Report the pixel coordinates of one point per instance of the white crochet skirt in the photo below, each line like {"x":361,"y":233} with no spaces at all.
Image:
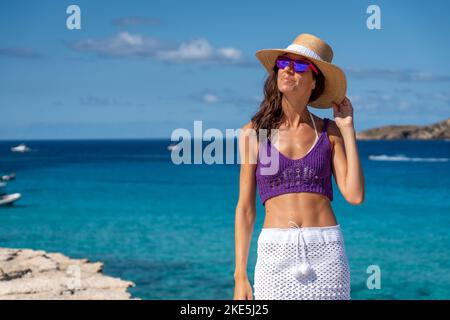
{"x":308,"y":263}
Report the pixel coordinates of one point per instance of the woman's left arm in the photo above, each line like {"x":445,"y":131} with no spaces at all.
{"x":346,"y":164}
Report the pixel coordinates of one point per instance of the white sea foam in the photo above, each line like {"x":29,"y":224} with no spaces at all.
{"x":402,"y":157}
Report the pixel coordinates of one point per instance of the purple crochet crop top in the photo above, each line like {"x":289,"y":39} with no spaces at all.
{"x":311,"y":173}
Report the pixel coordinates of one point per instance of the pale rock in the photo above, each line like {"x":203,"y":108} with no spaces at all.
{"x":36,"y":274}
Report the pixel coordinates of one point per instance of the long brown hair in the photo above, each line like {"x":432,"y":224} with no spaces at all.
{"x":270,"y":113}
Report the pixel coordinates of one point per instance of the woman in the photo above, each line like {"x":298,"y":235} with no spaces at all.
{"x":301,"y":253}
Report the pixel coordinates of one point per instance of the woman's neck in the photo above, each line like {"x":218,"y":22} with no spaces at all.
{"x":295,"y":112}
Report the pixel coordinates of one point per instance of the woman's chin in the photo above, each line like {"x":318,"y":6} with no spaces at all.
{"x":287,"y":88}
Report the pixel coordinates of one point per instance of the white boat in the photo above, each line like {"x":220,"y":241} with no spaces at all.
{"x":8,"y":177}
{"x":9,"y":199}
{"x":20,"y":148}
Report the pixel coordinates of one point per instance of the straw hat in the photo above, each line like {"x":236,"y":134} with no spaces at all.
{"x":321,"y":54}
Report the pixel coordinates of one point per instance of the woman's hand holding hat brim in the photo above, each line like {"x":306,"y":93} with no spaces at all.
{"x":343,"y":113}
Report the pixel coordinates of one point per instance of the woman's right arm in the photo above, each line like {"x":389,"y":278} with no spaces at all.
{"x":245,"y":212}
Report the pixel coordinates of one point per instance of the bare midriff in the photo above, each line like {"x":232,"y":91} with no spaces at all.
{"x":306,"y":209}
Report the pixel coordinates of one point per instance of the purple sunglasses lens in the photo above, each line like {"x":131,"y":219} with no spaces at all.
{"x":282,"y":63}
{"x":299,"y":66}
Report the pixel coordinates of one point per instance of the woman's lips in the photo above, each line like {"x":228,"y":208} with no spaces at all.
{"x":289,"y":81}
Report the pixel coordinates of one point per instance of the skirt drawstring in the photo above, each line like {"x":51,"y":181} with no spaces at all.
{"x":304,"y":268}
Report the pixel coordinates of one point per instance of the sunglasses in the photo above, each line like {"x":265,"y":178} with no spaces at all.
{"x":299,"y":65}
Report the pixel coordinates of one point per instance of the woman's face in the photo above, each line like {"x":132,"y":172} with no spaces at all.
{"x":295,"y":83}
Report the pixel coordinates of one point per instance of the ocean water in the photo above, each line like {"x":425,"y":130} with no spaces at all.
{"x":170,"y":228}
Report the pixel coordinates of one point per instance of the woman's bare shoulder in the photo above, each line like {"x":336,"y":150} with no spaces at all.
{"x":248,"y":134}
{"x":334,"y":134}
{"x":248,"y":129}
{"x":248,"y":125}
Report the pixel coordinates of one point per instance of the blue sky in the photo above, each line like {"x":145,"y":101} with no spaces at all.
{"x":140,"y":69}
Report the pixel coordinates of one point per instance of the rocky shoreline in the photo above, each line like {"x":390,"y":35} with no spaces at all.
{"x":436,"y":131}
{"x":36,"y":274}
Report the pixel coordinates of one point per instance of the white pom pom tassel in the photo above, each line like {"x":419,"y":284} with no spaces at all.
{"x":302,"y":270}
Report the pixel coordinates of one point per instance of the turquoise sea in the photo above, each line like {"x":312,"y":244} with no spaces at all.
{"x":170,"y":228}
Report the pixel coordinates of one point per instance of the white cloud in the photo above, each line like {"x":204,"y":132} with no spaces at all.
{"x":229,"y":53}
{"x":130,"y":39}
{"x":122,"y":44}
{"x":125,"y":44}
{"x":197,"y":49}
{"x":400,"y":104}
{"x":398,"y":75}
{"x":210,"y":98}
{"x":227,"y":97}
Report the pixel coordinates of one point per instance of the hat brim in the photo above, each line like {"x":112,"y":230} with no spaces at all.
{"x":335,"y":87}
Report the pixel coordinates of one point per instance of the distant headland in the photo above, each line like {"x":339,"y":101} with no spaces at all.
{"x":435,"y":131}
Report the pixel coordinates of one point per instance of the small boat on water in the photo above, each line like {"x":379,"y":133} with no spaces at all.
{"x":8,"y":177}
{"x":9,"y":199}
{"x":21,"y":148}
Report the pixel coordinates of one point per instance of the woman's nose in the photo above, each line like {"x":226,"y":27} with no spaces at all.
{"x":290,"y":67}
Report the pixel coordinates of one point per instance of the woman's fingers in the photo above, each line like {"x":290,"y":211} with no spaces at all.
{"x":336,"y":107}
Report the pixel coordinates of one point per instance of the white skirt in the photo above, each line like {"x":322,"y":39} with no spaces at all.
{"x":308,"y":263}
